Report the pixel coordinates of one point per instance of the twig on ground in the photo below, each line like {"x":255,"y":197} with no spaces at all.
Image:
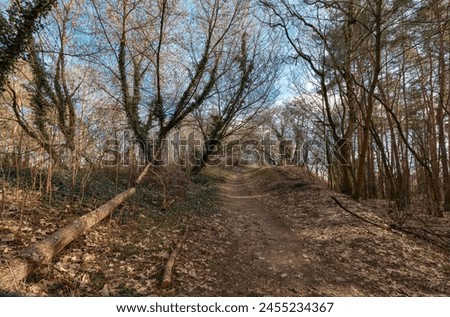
{"x":383,"y":226}
{"x":397,"y":229}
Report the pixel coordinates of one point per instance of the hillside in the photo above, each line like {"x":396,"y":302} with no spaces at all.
{"x":280,"y":234}
{"x":272,"y":231}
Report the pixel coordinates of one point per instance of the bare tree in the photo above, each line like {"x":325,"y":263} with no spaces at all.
{"x":47,"y":112}
{"x":165,"y":59}
{"x":247,"y":87}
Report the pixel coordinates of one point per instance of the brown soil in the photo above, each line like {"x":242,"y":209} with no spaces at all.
{"x":280,"y":234}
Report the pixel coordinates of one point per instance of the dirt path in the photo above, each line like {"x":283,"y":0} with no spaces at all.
{"x":258,"y":253}
{"x":264,"y":250}
{"x":287,"y":238}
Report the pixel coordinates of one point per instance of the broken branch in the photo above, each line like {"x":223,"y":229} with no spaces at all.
{"x":168,"y":271}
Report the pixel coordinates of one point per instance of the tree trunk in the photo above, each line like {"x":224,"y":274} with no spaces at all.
{"x":19,"y":37}
{"x":18,"y":268}
{"x":440,"y":117}
{"x":367,"y":119}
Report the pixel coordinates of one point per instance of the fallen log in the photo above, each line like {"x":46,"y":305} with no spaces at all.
{"x":168,"y":270}
{"x":15,"y":270}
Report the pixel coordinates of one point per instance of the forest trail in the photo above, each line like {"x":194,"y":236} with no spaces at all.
{"x":270,"y":231}
{"x":280,"y":234}
{"x":264,"y":254}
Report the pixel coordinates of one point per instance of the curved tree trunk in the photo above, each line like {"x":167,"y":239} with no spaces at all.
{"x":21,"y":34}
